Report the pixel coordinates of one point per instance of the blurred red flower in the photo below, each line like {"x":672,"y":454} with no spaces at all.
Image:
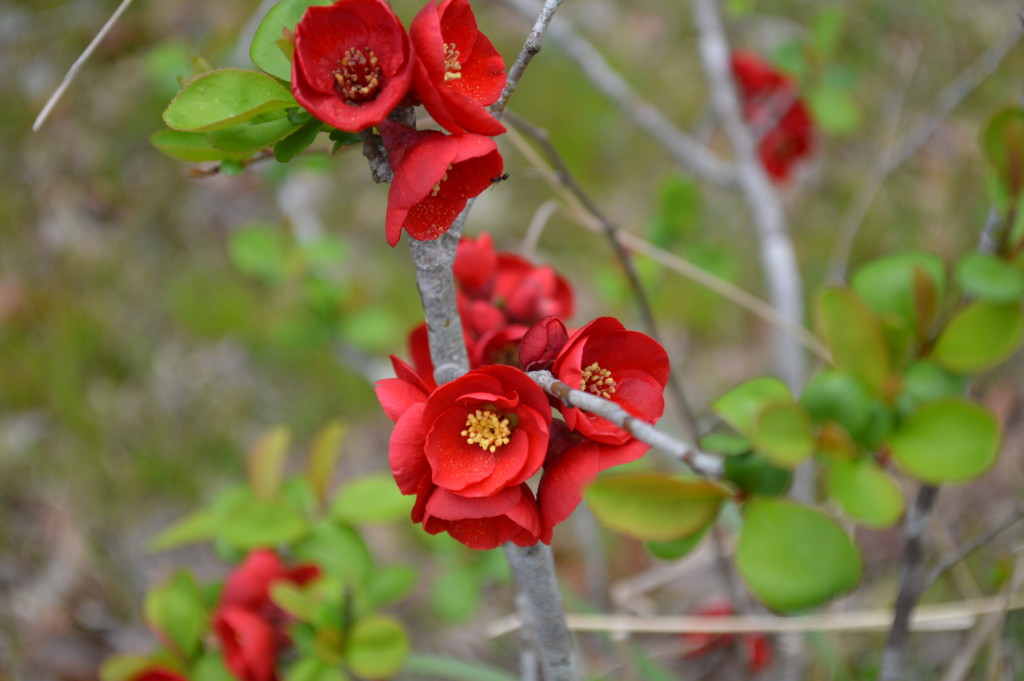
{"x":157,"y":674}
{"x":458,"y":71}
{"x":435,"y":175}
{"x":776,"y":112}
{"x":248,"y":586}
{"x":353,"y":63}
{"x":250,"y":644}
{"x":757,"y":647}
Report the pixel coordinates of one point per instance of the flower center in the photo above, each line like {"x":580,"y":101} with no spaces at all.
{"x":485,"y":429}
{"x":437,"y":187}
{"x":358,"y":77}
{"x":598,"y":381}
{"x":452,"y":66}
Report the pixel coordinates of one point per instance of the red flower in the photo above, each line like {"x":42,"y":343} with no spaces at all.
{"x":466,"y":449}
{"x":250,"y":644}
{"x":435,"y":175}
{"x":758,"y":648}
{"x":353,"y":63}
{"x":458,"y":71}
{"x":157,"y":674}
{"x":528,"y":292}
{"x":772,"y":104}
{"x":248,"y":586}
{"x":476,"y":263}
{"x":542,"y":343}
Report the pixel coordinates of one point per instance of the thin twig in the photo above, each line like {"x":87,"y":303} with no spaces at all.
{"x":529,"y":51}
{"x":700,"y":462}
{"x":77,"y":65}
{"x":1011,"y":518}
{"x":611,"y":232}
{"x":689,"y":153}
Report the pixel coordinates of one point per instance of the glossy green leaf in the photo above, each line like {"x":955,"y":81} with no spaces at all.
{"x":176,"y":609}
{"x":253,"y":524}
{"x":677,"y":548}
{"x":753,"y":474}
{"x":188,"y":146}
{"x":892,"y":287}
{"x":372,"y":499}
{"x":226,"y":97}
{"x":1003,"y":143}
{"x":854,"y":336}
{"x":949,"y":441}
{"x":266,"y":463}
{"x":837,"y":396}
{"x":987,"y":277}
{"x":264,"y":50}
{"x":741,"y":405}
{"x":339,"y":551}
{"x":251,"y":135}
{"x":793,"y":557}
{"x":377,"y":648}
{"x":313,"y":669}
{"x":654,"y":507}
{"x":323,"y":454}
{"x":297,"y":142}
{"x":783,"y":434}
{"x":926,"y":381}
{"x":979,"y":336}
{"x":867,"y":493}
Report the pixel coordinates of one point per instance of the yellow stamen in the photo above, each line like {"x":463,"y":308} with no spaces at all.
{"x":598,"y":381}
{"x":485,"y":429}
{"x":452,"y":66}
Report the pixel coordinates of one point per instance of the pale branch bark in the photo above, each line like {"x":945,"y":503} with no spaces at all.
{"x":778,"y":257}
{"x":700,"y":462}
{"x":911,"y":584}
{"x":529,"y":51}
{"x":611,"y":232}
{"x":686,"y":151}
{"x":434,"y":260}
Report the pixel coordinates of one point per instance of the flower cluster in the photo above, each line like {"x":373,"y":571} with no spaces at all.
{"x":354,"y":63}
{"x":249,"y":626}
{"x":756,"y":647}
{"x":779,"y":117}
{"x":467,"y":449}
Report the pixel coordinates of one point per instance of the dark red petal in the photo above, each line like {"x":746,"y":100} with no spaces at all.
{"x":561,"y":486}
{"x":405,"y":451}
{"x":450,"y":506}
{"x":248,"y":584}
{"x":249,"y":643}
{"x":541,"y":344}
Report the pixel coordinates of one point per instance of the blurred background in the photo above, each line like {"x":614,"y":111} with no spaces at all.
{"x":153,"y":324}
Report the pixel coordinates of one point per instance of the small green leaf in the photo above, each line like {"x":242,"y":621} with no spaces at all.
{"x":837,"y":396}
{"x":979,"y":336}
{"x":266,"y":463}
{"x":251,"y":135}
{"x":211,"y":667}
{"x":654,"y":507}
{"x":188,"y":146}
{"x":728,"y":444}
{"x":176,"y":609}
{"x":377,"y":648}
{"x":866,"y":492}
{"x":926,"y":381}
{"x":390,"y":584}
{"x":200,"y":525}
{"x":891,"y":286}
{"x":949,"y":441}
{"x":323,"y":454}
{"x":226,"y":97}
{"x":854,"y":336}
{"x":1003,"y":142}
{"x":990,"y":278}
{"x":292,"y":599}
{"x":793,"y":557}
{"x":753,"y":474}
{"x":677,"y":548}
{"x":741,"y":405}
{"x":313,"y":669}
{"x":264,"y":51}
{"x":783,"y":434}
{"x":372,"y":499}
{"x":836,"y":110}
{"x":339,"y":551}
{"x":297,"y":142}
{"x":252,"y":524}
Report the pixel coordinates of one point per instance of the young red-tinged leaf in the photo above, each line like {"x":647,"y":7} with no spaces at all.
{"x":251,"y":135}
{"x":833,"y":441}
{"x":867,"y":493}
{"x":323,"y":454}
{"x":926,"y":303}
{"x":1003,"y":142}
{"x":372,"y":499}
{"x":742,"y":404}
{"x":894,"y":287}
{"x":855,"y":337}
{"x":783,"y":434}
{"x":979,"y":337}
{"x":949,"y":441}
{"x":189,"y":146}
{"x":793,"y":557}
{"x":265,"y":51}
{"x":377,"y":648}
{"x":223,"y":98}
{"x":266,"y":463}
{"x":653,"y":506}
{"x":990,"y":278}
{"x":176,"y":609}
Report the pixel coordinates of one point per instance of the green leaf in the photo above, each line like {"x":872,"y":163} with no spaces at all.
{"x":377,"y":648}
{"x":867,"y":493}
{"x":836,"y":110}
{"x":455,"y":595}
{"x":127,"y":667}
{"x":1003,"y":143}
{"x":312,"y":669}
{"x":854,"y":336}
{"x":783,"y":434}
{"x":266,"y":463}
{"x":176,"y":609}
{"x":677,"y":548}
{"x":753,"y":474}
{"x":251,"y":524}
{"x":200,"y":525}
{"x":372,"y":499}
{"x":323,"y":454}
{"x":390,"y":584}
{"x":339,"y":551}
{"x":292,"y":599}
{"x":188,"y":146}
{"x":741,"y":405}
{"x":450,"y":669}
{"x":837,"y":396}
{"x":226,"y":97}
{"x":211,"y":667}
{"x":949,"y":441}
{"x":297,"y":142}
{"x":728,"y":444}
{"x":251,"y":135}
{"x":990,"y":278}
{"x":892,"y":287}
{"x":264,"y":51}
{"x":793,"y":557}
{"x":654,"y":507}
{"x":979,"y":336}
{"x":926,"y":381}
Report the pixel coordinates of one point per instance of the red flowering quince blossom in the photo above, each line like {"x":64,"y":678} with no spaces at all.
{"x":772,"y":104}
{"x":157,"y":674}
{"x":248,"y":586}
{"x":435,"y":175}
{"x":250,"y":644}
{"x":353,"y":63}
{"x":466,"y":450}
{"x":458,"y":71}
